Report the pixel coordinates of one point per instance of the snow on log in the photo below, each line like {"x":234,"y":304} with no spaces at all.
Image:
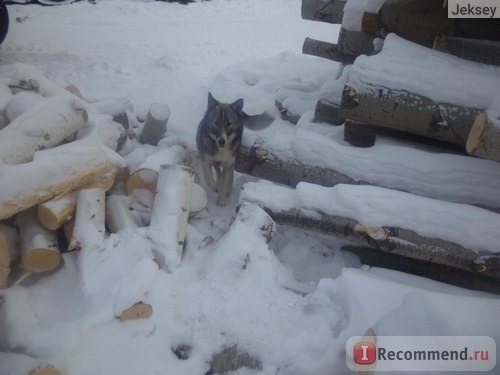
{"x":145,"y":175}
{"x":54,"y":213}
{"x":330,"y":98}
{"x":44,"y":126}
{"x":330,"y":11}
{"x":307,"y":156}
{"x":388,"y":220}
{"x":255,"y":218}
{"x":199,"y":200}
{"x":155,"y":125}
{"x":45,"y":178}
{"x":120,"y":110}
{"x":22,"y":102}
{"x":139,"y":310}
{"x":118,"y":214}
{"x":170,"y":213}
{"x":483,"y":51}
{"x":484,"y":138}
{"x":420,"y":91}
{"x":29,"y":78}
{"x":39,"y":246}
{"x":89,"y":229}
{"x":23,"y":364}
{"x":9,"y":251}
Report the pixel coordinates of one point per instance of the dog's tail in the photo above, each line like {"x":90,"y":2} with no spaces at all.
{"x":257,"y":122}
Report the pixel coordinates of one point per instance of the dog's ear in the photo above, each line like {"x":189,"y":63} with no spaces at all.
{"x":237,"y":106}
{"x":212,"y":102}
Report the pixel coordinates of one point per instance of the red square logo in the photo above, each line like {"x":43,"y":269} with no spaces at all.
{"x":365,"y":353}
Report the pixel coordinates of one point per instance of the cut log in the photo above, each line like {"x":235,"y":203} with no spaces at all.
{"x":421,"y":20}
{"x":75,"y":168}
{"x":39,"y":246}
{"x":330,"y":11}
{"x":428,"y":105}
{"x":54,"y":213}
{"x":89,"y":230}
{"x":42,"y":127}
{"x":261,"y":161}
{"x":118,"y":214}
{"x":139,"y":310}
{"x":9,"y":251}
{"x":145,"y":175}
{"x":326,"y":50}
{"x":359,"y":134}
{"x":155,"y":125}
{"x":484,"y":138}
{"x":305,"y":207}
{"x":23,"y":364}
{"x":170,"y":213}
{"x":257,"y":219}
{"x":355,"y":43}
{"x":483,"y":51}
{"x":120,"y":110}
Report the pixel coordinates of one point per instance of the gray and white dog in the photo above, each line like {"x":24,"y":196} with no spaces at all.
{"x":219,"y":139}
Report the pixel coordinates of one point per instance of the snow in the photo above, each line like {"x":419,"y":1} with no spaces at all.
{"x":438,"y":76}
{"x":292,"y":303}
{"x":354,"y":10}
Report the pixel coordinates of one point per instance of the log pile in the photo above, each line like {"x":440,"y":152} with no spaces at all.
{"x":72,"y":183}
{"x":372,"y":101}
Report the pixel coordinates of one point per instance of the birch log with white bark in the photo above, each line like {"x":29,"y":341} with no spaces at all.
{"x":9,"y":251}
{"x":170,"y":214}
{"x":155,"y":125}
{"x":41,"y":180}
{"x":44,"y":126}
{"x":145,"y":175}
{"x":89,"y":229}
{"x":54,"y":213}
{"x":484,"y":138}
{"x":118,"y":214}
{"x":23,"y":364}
{"x":39,"y":246}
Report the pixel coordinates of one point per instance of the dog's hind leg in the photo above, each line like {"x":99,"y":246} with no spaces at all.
{"x":207,"y":173}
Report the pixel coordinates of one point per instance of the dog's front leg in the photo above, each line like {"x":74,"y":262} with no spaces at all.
{"x":226,"y":185}
{"x":207,"y":173}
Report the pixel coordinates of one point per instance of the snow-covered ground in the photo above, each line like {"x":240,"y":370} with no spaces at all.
{"x":293,"y":303}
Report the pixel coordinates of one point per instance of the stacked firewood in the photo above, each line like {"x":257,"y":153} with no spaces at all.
{"x":369,"y":104}
{"x":72,"y":171}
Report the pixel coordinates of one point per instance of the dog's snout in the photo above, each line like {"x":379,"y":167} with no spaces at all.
{"x":221,"y":142}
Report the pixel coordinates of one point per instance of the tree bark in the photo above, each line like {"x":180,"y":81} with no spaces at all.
{"x":44,"y":126}
{"x":23,"y":364}
{"x":326,"y":50}
{"x":29,"y":78}
{"x":483,"y":51}
{"x":330,"y":11}
{"x":77,"y":167}
{"x":484,"y":138}
{"x":261,"y":161}
{"x":170,"y":213}
{"x":39,"y":246}
{"x":155,"y":125}
{"x":9,"y":251}
{"x":395,"y":240}
{"x":403,"y":110}
{"x":145,"y":176}
{"x":54,"y":213}
{"x":89,"y":230}
{"x":355,"y":43}
{"x":330,"y":98}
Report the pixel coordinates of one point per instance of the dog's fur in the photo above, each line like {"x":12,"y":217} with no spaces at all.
{"x":219,"y":139}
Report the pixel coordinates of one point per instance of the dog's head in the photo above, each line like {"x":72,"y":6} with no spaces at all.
{"x":225,"y":120}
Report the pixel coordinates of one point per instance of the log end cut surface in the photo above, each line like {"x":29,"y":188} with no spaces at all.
{"x":46,"y":370}
{"x":475,"y":134}
{"x":41,"y":260}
